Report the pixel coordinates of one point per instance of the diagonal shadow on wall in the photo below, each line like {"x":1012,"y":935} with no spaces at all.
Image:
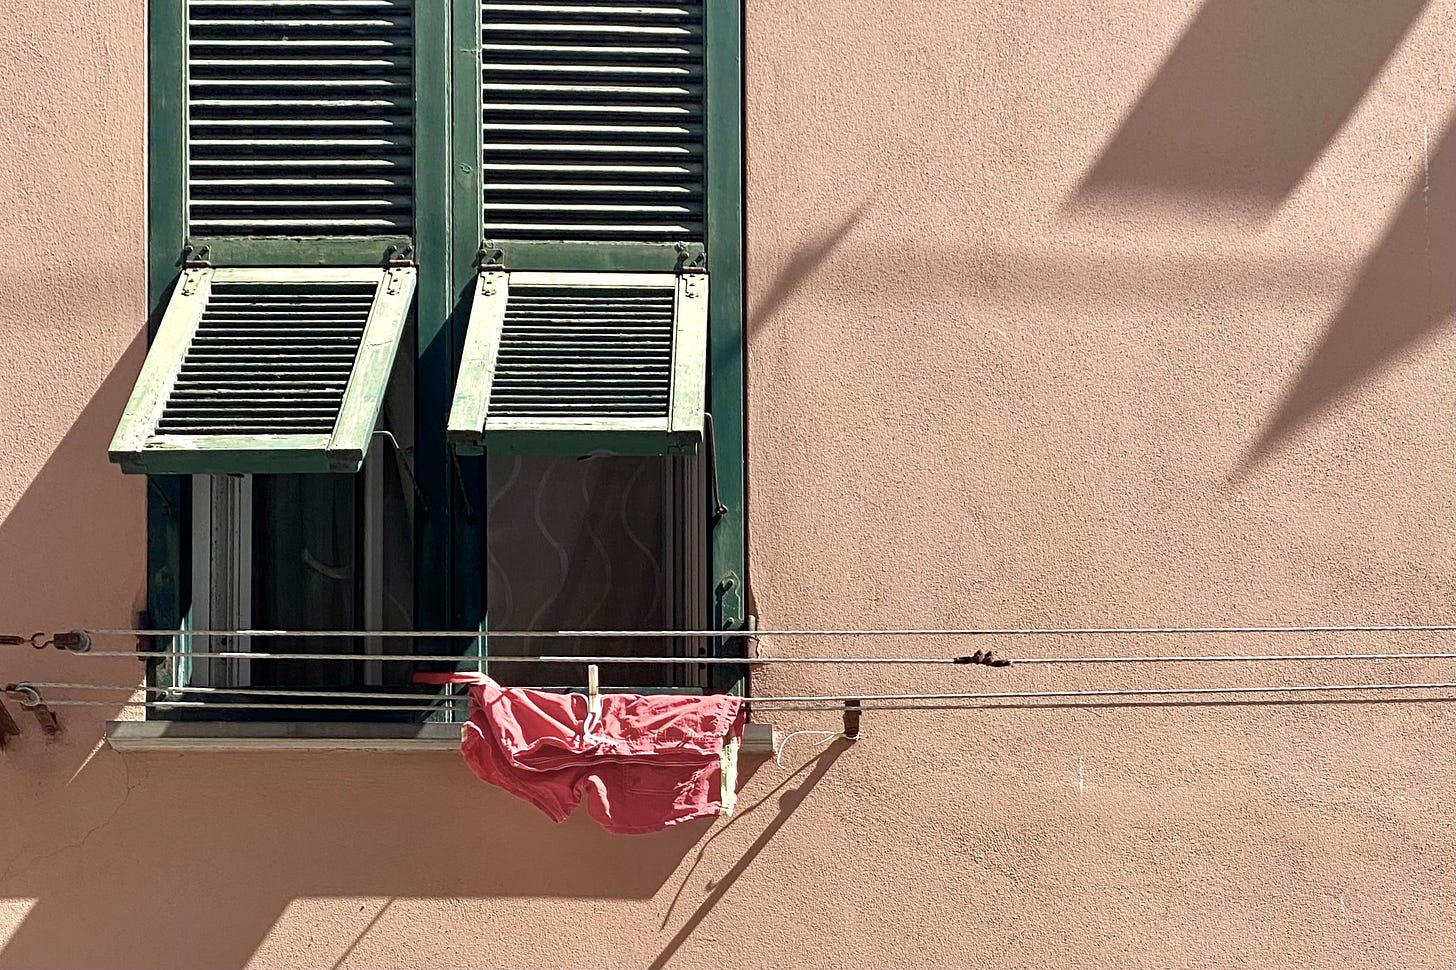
{"x":800,"y":267}
{"x":1404,"y":292}
{"x":77,"y":519}
{"x":191,"y":859}
{"x":1245,"y":104}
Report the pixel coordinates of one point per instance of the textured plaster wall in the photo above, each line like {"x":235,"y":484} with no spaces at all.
{"x":1060,"y":313}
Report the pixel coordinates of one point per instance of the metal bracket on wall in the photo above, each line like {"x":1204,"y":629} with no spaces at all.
{"x":852,"y":710}
{"x":8,"y":728}
{"x":730,"y":604}
{"x":31,"y":700}
{"x":730,"y":607}
{"x":73,"y":641}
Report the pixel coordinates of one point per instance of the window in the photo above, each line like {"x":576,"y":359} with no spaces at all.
{"x":333,"y":189}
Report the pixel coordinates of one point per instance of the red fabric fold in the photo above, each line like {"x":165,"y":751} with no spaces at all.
{"x":648,"y":762}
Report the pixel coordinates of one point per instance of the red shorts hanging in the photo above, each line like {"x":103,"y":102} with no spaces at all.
{"x":647,"y":762}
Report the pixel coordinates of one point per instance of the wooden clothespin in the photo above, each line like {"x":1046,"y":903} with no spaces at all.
{"x":593,"y":691}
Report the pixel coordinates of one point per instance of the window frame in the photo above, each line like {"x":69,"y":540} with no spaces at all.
{"x":169,"y":497}
{"x":447,"y":238}
{"x":724,"y":243}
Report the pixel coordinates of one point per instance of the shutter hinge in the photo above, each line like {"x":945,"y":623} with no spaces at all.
{"x":691,"y":258}
{"x":194,"y":261}
{"x":200,"y":258}
{"x":398,"y":259}
{"x":490,"y":257}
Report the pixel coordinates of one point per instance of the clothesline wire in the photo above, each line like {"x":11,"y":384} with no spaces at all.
{"x":720,"y":634}
{"x":752,"y":661}
{"x":263,"y":691}
{"x":867,"y":702}
{"x":224,"y":705}
{"x":1111,"y":692}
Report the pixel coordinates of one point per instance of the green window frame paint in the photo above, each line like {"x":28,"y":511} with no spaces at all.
{"x":420,"y":148}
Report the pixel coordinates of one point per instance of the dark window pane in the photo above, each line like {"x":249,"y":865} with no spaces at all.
{"x":308,"y":575}
{"x":583,"y":544}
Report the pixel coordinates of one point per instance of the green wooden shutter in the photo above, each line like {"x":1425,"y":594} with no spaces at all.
{"x":298,"y":151}
{"x":266,"y":370}
{"x":593,"y":167}
{"x":592,"y":121}
{"x":583,"y":363}
{"x":299,"y":118}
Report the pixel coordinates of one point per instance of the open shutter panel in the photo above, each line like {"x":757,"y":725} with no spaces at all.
{"x":583,"y":363}
{"x":593,"y":121}
{"x":266,"y":370}
{"x":300,"y":117}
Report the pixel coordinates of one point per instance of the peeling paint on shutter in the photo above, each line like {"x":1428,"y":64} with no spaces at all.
{"x":582,"y":363}
{"x":300,"y":117}
{"x":265,"y":370}
{"x":593,"y":121}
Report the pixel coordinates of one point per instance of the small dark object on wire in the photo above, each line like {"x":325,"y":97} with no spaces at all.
{"x":985,"y":658}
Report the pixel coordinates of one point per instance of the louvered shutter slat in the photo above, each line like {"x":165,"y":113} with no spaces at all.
{"x":300,"y":117}
{"x":592,"y":121}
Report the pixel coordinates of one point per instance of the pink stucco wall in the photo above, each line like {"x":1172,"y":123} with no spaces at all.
{"x":1060,"y":313}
